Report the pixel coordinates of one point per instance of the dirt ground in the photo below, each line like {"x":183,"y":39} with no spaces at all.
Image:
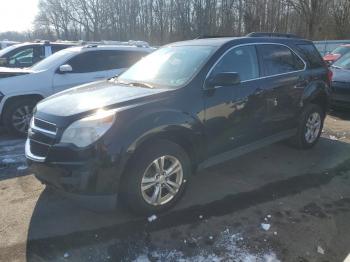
{"x":275,"y":204}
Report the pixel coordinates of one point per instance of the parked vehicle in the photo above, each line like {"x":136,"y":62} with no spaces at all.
{"x":337,"y":53}
{"x":340,"y":95}
{"x":21,"y":89}
{"x":327,"y":46}
{"x":6,"y":43}
{"x":27,"y":54}
{"x":185,"y":107}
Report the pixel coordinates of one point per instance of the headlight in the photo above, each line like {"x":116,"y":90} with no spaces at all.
{"x":87,"y":130}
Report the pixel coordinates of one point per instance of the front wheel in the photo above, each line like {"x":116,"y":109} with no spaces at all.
{"x":17,"y":116}
{"x":156,"y":179}
{"x":310,"y":127}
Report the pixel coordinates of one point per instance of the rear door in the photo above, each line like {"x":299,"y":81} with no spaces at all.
{"x":283,"y":82}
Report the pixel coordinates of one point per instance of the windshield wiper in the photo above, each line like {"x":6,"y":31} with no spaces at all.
{"x":141,"y":84}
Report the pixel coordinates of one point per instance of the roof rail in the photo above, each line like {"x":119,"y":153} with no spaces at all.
{"x":212,"y":36}
{"x":265,"y":34}
{"x":116,"y":43}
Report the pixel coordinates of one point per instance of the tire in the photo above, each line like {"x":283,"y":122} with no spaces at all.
{"x":305,"y":138}
{"x":14,"y":111}
{"x":141,"y":170}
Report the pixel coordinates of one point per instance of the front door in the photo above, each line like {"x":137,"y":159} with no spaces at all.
{"x":87,"y":67}
{"x":234,"y":114}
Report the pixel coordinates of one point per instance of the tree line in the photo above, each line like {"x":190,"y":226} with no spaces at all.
{"x":163,"y":21}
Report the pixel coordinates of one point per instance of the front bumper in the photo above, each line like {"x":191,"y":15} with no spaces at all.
{"x":89,"y":177}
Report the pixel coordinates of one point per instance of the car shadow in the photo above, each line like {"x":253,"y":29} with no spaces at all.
{"x":277,"y":171}
{"x":341,"y":114}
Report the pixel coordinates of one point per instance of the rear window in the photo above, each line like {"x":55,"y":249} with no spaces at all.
{"x":312,"y":55}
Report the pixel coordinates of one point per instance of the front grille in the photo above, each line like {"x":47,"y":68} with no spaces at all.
{"x":44,"y":126}
{"x":38,"y":149}
{"x":41,"y":136}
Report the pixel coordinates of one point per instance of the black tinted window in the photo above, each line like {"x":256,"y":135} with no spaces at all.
{"x":56,"y":48}
{"x":242,"y":60}
{"x":312,"y":55}
{"x":122,"y":59}
{"x":103,"y":60}
{"x":277,"y":59}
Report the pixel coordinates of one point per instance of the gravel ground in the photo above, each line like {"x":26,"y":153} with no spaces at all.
{"x":276,"y":204}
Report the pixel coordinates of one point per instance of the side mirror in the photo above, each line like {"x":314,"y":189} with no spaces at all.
{"x":223,"y":79}
{"x":65,"y":69}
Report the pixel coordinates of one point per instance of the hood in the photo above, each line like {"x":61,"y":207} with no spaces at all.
{"x":93,"y":96}
{"x":10,"y":72}
{"x":340,"y":75}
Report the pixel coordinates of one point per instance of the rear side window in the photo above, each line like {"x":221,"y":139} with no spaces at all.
{"x":312,"y":55}
{"x":278,"y":59}
{"x":242,"y":60}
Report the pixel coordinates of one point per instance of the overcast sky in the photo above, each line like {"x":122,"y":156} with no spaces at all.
{"x":17,"y":15}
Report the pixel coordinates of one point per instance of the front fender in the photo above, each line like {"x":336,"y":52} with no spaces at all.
{"x":162,"y":123}
{"x":169,"y":124}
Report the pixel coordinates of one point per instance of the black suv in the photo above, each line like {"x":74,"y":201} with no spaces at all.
{"x":185,"y":107}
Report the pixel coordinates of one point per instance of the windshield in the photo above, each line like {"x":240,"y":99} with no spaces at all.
{"x":343,"y":62}
{"x":48,"y":62}
{"x":341,"y":50}
{"x":7,"y":49}
{"x":171,"y":66}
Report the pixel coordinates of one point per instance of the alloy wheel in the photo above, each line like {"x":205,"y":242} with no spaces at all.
{"x":162,"y":180}
{"x":313,"y":127}
{"x":21,"y":118}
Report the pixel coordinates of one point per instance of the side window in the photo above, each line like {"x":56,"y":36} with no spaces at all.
{"x":122,"y":59}
{"x":56,"y":48}
{"x":242,"y":60}
{"x":277,"y":59}
{"x":26,"y":56}
{"x":312,"y":55}
{"x":87,"y":62}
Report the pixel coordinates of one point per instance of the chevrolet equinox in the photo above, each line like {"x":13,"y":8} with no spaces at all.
{"x":187,"y":106}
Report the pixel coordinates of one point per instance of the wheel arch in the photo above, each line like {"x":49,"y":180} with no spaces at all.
{"x":317,"y":93}
{"x":8,"y":100}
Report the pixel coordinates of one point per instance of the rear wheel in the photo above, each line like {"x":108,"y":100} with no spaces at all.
{"x":156,"y":179}
{"x":310,"y":127}
{"x":17,"y":116}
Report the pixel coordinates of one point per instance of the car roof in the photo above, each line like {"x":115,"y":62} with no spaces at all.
{"x":220,"y":41}
{"x":111,"y":47}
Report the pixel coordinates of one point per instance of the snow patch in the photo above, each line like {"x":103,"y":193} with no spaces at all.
{"x":266,"y":227}
{"x":152,"y":218}
{"x":226,"y":242}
